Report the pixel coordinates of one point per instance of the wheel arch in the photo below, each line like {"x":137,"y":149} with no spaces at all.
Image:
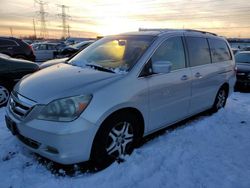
{"x":226,"y":86}
{"x":115,"y":113}
{"x":126,"y":110}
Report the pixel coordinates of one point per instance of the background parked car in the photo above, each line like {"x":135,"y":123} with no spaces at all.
{"x":16,"y":48}
{"x":11,"y":71}
{"x":247,"y":48}
{"x":45,"y":51}
{"x":72,"y":49}
{"x":235,"y":50}
{"x":74,"y":40}
{"x":243,"y":69}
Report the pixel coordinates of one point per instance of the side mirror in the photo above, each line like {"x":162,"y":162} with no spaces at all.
{"x":161,"y":67}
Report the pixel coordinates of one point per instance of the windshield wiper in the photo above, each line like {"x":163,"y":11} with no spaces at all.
{"x":99,"y":67}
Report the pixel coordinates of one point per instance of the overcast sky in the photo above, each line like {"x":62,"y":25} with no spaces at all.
{"x":102,"y":17}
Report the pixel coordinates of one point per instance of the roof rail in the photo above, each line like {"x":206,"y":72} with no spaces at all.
{"x":156,"y":29}
{"x":204,"y":32}
{"x":166,"y":30}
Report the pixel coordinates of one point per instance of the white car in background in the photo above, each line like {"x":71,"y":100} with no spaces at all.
{"x":44,"y":51}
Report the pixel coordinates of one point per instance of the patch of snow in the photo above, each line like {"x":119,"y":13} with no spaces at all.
{"x":209,"y":151}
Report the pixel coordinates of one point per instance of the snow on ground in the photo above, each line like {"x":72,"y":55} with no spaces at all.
{"x":209,"y":151}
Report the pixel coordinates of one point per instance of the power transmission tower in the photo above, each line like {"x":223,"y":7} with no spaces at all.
{"x":42,"y":14}
{"x":64,"y":16}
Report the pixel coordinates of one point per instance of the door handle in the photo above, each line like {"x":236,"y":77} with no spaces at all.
{"x":184,"y":77}
{"x":198,"y":75}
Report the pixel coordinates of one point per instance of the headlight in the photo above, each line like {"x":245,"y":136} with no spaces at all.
{"x":66,"y":109}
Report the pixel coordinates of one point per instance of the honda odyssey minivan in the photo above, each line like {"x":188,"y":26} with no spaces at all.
{"x":98,"y":105}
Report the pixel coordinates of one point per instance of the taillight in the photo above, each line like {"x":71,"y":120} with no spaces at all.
{"x":235,"y":69}
{"x":31,"y":48}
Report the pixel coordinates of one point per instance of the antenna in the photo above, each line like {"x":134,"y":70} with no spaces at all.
{"x":42,"y":14}
{"x":64,"y":16}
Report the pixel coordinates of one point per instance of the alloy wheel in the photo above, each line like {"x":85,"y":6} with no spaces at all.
{"x":119,"y":140}
{"x":221,"y":99}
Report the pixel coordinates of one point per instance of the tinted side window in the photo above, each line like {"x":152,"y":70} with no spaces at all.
{"x":219,"y":50}
{"x":42,"y":47}
{"x":198,"y":51}
{"x":51,"y":47}
{"x":4,"y":42}
{"x":171,"y":50}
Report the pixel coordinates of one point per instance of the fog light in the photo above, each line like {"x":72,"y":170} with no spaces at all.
{"x":51,"y":150}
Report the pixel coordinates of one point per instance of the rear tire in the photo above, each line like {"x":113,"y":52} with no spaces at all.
{"x":20,"y":57}
{"x":220,"y":100}
{"x":115,"y":139}
{"x":4,"y":95}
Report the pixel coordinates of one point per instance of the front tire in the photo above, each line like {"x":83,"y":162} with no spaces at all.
{"x":4,"y":95}
{"x":115,"y":139}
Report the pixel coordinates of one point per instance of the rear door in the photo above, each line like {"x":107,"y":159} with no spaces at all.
{"x":204,"y":74}
{"x":169,"y":94}
{"x":51,"y":50}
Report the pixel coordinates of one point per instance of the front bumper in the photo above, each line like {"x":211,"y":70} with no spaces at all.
{"x":62,"y":142}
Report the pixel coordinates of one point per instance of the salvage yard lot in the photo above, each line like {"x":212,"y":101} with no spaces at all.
{"x":208,"y":151}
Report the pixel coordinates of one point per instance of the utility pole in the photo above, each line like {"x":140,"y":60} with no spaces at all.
{"x":68,"y":31}
{"x":11,"y":32}
{"x":34,"y":27}
{"x":42,"y":14}
{"x":64,"y":16}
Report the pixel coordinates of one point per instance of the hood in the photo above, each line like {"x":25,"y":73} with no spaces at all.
{"x":243,"y":67}
{"x":52,"y":62}
{"x":61,"y":81}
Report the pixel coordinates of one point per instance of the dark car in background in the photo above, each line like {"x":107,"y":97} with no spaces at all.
{"x":247,"y":48}
{"x":16,"y":48}
{"x":11,"y":71}
{"x":242,"y":60}
{"x":72,"y":49}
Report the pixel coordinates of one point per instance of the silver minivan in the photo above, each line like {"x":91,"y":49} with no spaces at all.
{"x":99,"y":104}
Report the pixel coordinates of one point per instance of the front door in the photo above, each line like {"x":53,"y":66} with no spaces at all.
{"x":169,"y":94}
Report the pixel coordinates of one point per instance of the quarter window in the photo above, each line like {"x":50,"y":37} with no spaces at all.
{"x":198,"y":51}
{"x":219,"y":50}
{"x":171,"y":50}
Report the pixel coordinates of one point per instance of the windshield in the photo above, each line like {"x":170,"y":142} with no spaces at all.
{"x":116,"y":53}
{"x":242,"y":58}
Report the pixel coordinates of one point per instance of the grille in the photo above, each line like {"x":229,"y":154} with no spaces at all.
{"x":19,"y":105}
